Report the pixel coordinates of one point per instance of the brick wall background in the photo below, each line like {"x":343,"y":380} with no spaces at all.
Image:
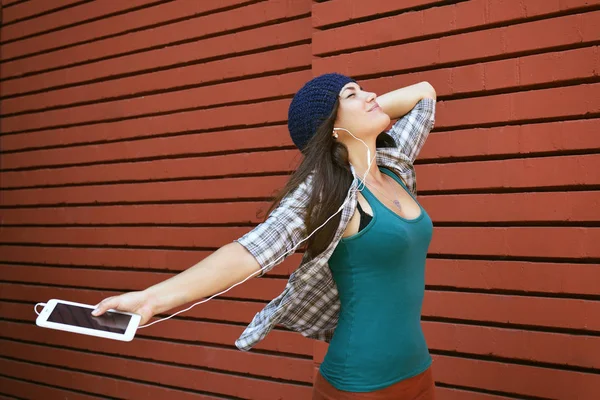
{"x":139,"y":136}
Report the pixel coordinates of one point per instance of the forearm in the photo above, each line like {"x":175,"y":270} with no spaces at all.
{"x":400,"y":101}
{"x":228,"y":265}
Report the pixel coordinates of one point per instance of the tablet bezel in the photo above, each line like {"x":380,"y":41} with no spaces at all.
{"x":42,"y":321}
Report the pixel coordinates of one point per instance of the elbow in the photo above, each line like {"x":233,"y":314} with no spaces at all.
{"x":428,"y":90}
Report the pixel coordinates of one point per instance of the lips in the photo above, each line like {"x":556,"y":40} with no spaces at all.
{"x":376,"y":106}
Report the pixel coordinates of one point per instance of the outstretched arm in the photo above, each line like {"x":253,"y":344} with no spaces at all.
{"x":228,"y":265}
{"x":253,"y":254}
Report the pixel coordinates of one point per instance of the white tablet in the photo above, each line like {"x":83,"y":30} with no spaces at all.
{"x":76,"y":317}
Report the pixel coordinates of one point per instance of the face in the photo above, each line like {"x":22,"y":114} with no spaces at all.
{"x":359,"y":113}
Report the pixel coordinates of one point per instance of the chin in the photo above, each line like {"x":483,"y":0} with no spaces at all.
{"x":384,"y":121}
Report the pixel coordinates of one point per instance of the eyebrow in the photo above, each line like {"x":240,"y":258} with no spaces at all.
{"x":352,"y":88}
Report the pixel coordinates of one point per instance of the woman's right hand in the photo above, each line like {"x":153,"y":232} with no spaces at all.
{"x":134,"y":302}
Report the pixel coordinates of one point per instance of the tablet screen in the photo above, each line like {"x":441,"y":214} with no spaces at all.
{"x":69,"y":314}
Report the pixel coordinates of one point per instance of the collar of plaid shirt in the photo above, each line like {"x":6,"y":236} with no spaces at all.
{"x":309,"y":304}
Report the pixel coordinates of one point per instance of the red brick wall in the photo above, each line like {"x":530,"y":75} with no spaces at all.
{"x":139,"y":136}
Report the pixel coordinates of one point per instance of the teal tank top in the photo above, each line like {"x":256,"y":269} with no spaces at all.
{"x":380,"y":276}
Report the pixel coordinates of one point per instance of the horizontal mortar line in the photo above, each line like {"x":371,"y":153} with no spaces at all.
{"x":435,"y":319}
{"x":122,"y":33}
{"x":557,"y":84}
{"x":220,"y":346}
{"x":173,"y":363}
{"x":428,"y":288}
{"x":115,"y":247}
{"x":114,"y":14}
{"x":111,"y":376}
{"x":513,"y":224}
{"x":480,"y":94}
{"x":112,"y":268}
{"x":162,"y":339}
{"x":428,"y":161}
{"x":149,"y":27}
{"x":164,"y":68}
{"x":506,"y":156}
{"x":387,"y":14}
{"x":438,"y":35}
{"x":511,"y":326}
{"x":131,"y":181}
{"x":217,"y":201}
{"x":490,"y":392}
{"x":96,"y":289}
{"x":171,"y":89}
{"x":9,"y":396}
{"x":282,"y":123}
{"x":163,"y":315}
{"x":424,"y":318}
{"x":92,"y":268}
{"x":14,"y":3}
{"x":156,"y":47}
{"x":590,"y":115}
{"x":511,"y":190}
{"x":474,"y":95}
{"x":479,"y":60}
{"x":528,"y":190}
{"x":517,"y":361}
{"x":134,"y":203}
{"x":47,"y":385}
{"x":134,"y":225}
{"x":229,"y":128}
{"x":43,"y":13}
{"x":308,"y":41}
{"x":154,"y":114}
{"x":187,"y":155}
{"x":153,"y":158}
{"x":541,"y":259}
{"x":272,"y":275}
{"x":183,"y":156}
{"x":240,"y":224}
{"x":513,"y":292}
{"x":434,"y":351}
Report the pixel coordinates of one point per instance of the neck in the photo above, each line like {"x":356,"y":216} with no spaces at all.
{"x":357,"y":155}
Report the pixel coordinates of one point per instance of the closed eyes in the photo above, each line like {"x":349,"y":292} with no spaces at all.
{"x":353,"y":89}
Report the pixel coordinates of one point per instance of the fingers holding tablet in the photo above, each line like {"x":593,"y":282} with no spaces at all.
{"x":134,"y":302}
{"x":105,"y":305}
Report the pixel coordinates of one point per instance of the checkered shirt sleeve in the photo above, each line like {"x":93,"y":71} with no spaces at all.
{"x":272,"y":241}
{"x":411,"y":131}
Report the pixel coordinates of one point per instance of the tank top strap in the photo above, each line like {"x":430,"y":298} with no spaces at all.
{"x":395,"y":177}
{"x":371,"y":198}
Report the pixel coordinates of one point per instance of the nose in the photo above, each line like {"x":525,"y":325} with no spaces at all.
{"x":371,"y":97}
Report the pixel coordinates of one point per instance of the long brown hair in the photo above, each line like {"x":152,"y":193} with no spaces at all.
{"x":327,"y":160}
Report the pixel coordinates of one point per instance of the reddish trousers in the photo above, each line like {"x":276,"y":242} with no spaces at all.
{"x":419,"y":387}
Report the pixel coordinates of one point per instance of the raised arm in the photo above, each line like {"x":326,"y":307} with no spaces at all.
{"x":400,"y":101}
{"x":415,"y":106}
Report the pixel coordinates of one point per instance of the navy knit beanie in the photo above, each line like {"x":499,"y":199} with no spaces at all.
{"x":312,"y":104}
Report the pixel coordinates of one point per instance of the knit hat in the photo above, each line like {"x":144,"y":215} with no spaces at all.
{"x":312,"y":104}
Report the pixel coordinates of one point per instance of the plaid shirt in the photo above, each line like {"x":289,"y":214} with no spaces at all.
{"x":309,"y":303}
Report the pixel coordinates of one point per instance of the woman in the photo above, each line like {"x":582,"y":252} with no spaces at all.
{"x":360,"y":284}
